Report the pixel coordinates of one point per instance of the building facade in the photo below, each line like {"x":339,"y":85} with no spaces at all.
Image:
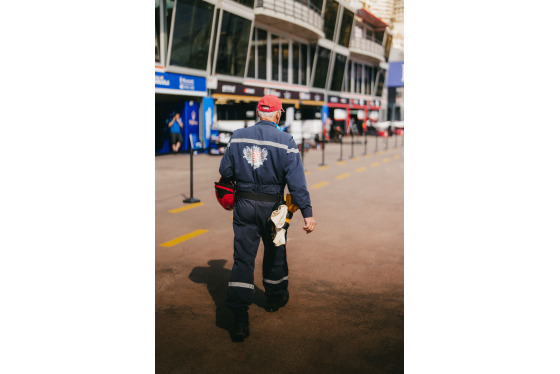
{"x":326,"y":60}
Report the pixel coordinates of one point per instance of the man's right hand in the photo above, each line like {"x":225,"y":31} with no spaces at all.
{"x":309,"y":224}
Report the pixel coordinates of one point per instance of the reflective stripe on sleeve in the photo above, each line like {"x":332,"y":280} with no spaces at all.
{"x":264,"y":142}
{"x":275,"y":282}
{"x":240,"y":284}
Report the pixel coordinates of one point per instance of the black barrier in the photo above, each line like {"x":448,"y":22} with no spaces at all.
{"x":352,"y":145}
{"x":323,"y":142}
{"x":376,"y":141}
{"x":387,"y":142}
{"x":191,"y":151}
{"x":340,"y":159}
{"x":365,"y":143}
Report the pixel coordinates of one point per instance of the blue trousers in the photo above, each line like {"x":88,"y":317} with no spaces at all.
{"x":249,"y":227}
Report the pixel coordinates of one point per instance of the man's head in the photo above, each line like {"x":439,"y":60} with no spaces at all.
{"x":270,"y":108}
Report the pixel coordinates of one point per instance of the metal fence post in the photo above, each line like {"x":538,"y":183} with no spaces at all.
{"x":191,"y":199}
{"x":322,"y":152}
{"x":352,"y":144}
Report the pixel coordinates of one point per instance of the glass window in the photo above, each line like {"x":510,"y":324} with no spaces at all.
{"x":191,"y":34}
{"x":367,"y":80}
{"x":397,"y":113}
{"x":316,"y":5}
{"x":331,"y":9}
{"x":380,"y":82}
{"x":261,"y":53}
{"x":296,"y":63}
{"x":168,"y":16}
{"x":312,"y":50}
{"x":275,"y":44}
{"x":251,"y":69}
{"x":305,"y":64}
{"x":358,"y":78}
{"x":369,"y":34}
{"x":158,"y":25}
{"x":346,"y":28}
{"x":321,"y":68}
{"x":285,"y":45}
{"x":338,"y":73}
{"x":347,"y":77}
{"x":215,"y":38}
{"x":234,"y":42}
{"x":248,"y":3}
{"x":379,"y":36}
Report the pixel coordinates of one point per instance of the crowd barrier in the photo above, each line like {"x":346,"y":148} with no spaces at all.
{"x":341,"y":143}
{"x":322,"y":142}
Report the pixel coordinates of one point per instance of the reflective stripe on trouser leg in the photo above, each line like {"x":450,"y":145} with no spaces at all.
{"x":275,"y":268}
{"x":245,"y":245}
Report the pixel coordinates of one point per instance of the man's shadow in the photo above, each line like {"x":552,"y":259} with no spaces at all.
{"x":216,"y":278}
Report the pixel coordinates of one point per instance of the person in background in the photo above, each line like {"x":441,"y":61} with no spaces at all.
{"x":176,"y":125}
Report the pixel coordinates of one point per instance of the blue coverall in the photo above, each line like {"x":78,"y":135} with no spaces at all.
{"x":261,"y":160}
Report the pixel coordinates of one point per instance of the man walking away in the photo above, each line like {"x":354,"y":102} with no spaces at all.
{"x":261,"y":160}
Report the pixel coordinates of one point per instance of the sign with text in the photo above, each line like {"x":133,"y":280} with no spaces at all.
{"x":232,"y":88}
{"x":192,"y":123}
{"x":180,"y":82}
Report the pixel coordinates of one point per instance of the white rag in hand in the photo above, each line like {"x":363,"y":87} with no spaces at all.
{"x":278,"y":217}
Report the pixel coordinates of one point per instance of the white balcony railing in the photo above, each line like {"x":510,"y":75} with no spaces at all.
{"x":368,"y":46}
{"x":300,"y":10}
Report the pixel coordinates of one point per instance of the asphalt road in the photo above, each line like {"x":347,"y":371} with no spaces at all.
{"x":346,"y":308}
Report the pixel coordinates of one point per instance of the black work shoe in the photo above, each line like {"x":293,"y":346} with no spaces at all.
{"x":273,"y":304}
{"x":240,"y":326}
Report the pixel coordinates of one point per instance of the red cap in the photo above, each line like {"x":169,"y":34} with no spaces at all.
{"x":270,"y":103}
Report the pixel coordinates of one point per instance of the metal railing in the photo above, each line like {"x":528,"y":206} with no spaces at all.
{"x":302,"y":10}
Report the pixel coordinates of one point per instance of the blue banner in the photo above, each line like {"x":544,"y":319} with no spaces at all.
{"x":192,"y":124}
{"x":180,"y":82}
{"x":395,"y":75}
{"x":208,"y":110}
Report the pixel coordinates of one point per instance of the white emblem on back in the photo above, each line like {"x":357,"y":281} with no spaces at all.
{"x":255,"y":155}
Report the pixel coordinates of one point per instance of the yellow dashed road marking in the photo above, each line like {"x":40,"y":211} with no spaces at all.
{"x":323,"y":167}
{"x":342,"y":176}
{"x":374,"y":164}
{"x":386,"y":159}
{"x":183,"y":238}
{"x":359,"y":170}
{"x":368,"y":156}
{"x":356,"y":158}
{"x":396,"y":156}
{"x":320,"y":184}
{"x":186,"y":207}
{"x":341,"y":162}
{"x":306,"y":173}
